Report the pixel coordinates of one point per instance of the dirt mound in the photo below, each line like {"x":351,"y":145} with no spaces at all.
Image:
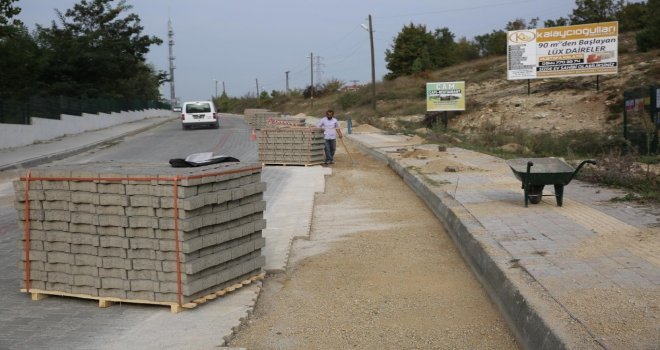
{"x":421,"y":154}
{"x":444,"y":165}
{"x":366,"y":128}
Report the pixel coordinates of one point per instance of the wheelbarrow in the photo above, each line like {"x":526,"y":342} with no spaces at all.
{"x":535,"y":173}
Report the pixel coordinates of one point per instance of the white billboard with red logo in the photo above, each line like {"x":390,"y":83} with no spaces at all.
{"x":586,"y":49}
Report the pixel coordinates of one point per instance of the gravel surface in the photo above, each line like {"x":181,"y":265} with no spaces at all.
{"x":378,"y":271}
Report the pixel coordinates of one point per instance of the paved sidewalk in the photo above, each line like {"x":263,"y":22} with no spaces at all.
{"x":585,"y":275}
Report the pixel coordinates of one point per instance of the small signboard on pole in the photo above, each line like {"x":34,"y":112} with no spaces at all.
{"x":445,"y":96}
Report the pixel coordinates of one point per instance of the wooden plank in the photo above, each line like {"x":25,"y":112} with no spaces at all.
{"x":103,"y":303}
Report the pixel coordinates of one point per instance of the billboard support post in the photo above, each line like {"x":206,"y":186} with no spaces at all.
{"x":529,"y":90}
{"x":597,"y":82}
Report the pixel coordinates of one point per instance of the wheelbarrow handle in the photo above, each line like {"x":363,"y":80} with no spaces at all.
{"x":530,"y":164}
{"x":580,"y":167}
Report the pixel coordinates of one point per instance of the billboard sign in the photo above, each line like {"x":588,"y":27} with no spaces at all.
{"x":586,"y":49}
{"x":445,"y":96}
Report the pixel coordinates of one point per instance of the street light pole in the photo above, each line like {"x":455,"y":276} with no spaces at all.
{"x":373,"y":66}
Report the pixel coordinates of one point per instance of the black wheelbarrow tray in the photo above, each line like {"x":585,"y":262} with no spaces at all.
{"x":535,"y":173}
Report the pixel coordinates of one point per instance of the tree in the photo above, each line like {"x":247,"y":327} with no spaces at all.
{"x":8,"y":23}
{"x":649,"y":37}
{"x":97,"y":51}
{"x":559,"y":22}
{"x":411,"y":47}
{"x":466,"y":50}
{"x":492,"y":44}
{"x":594,"y":11}
{"x":444,"y":48}
{"x":633,"y":16}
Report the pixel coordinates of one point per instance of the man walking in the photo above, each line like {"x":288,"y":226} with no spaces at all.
{"x":331,"y":130}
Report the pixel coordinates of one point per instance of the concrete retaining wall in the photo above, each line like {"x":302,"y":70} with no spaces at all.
{"x":41,"y":129}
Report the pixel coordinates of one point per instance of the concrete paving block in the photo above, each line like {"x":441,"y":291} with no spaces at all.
{"x":145,"y":201}
{"x":143,"y":285}
{"x":51,"y":236}
{"x":168,"y":256}
{"x":146,"y":264}
{"x":33,"y":284}
{"x":111,"y":210}
{"x":59,"y":287}
{"x":34,"y":266}
{"x":80,"y":207}
{"x":111,"y":188}
{"x":116,"y":263}
{"x":114,"y":283}
{"x":88,"y":260}
{"x":143,"y":243}
{"x":84,"y":249}
{"x":113,"y":220}
{"x":56,"y":215}
{"x":35,"y":275}
{"x":84,"y":186}
{"x":113,"y":273}
{"x":38,"y":255}
{"x":36,"y":195}
{"x":85,"y":198}
{"x":57,"y":247}
{"x":63,"y":268}
{"x":111,"y":231}
{"x":81,"y":228}
{"x":85,"y":270}
{"x":82,"y":238}
{"x":35,"y":245}
{"x":166,"y":245}
{"x":34,"y":205}
{"x":167,"y":266}
{"x":140,"y":232}
{"x":143,"y":275}
{"x":144,"y":295}
{"x":143,"y":221}
{"x":141,"y":254}
{"x":89,"y":281}
{"x":85,"y":290}
{"x":59,"y":277}
{"x":35,"y":234}
{"x":113,"y":199}
{"x":55,"y":185}
{"x":113,"y":293}
{"x":138,"y":189}
{"x":140,"y":211}
{"x":60,"y":257}
{"x":51,"y":225}
{"x":114,"y":242}
{"x":35,"y":215}
{"x":84,"y":218}
{"x":168,"y":287}
{"x":112,"y":252}
{"x":57,"y":195}
{"x":54,"y":205}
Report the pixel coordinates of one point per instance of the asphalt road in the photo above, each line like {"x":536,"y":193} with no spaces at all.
{"x":66,"y":323}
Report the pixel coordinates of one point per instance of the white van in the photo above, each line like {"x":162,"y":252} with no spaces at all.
{"x":201,"y":113}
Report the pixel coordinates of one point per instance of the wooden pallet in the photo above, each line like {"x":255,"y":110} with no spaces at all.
{"x":38,"y":294}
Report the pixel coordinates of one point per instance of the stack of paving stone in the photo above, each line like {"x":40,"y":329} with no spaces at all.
{"x":250,"y":113}
{"x":289,"y":145}
{"x":286,"y":121}
{"x":115,"y":238}
{"x":261,"y":118}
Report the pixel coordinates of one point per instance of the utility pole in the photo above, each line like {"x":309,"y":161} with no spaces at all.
{"x":223,"y":87}
{"x":170,"y":37}
{"x":311,"y":62}
{"x":216,"y":88}
{"x":258,"y":97}
{"x":287,"y":82}
{"x":373,"y":66}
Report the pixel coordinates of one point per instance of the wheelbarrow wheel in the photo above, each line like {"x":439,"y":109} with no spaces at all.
{"x":534,"y":193}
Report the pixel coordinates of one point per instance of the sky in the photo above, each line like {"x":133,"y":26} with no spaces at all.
{"x":236,"y":43}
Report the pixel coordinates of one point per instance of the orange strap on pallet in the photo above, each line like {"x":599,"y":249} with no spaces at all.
{"x":27,"y":230}
{"x":175,"y":184}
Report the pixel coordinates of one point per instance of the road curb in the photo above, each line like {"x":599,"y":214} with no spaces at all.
{"x":535,"y":318}
{"x":68,"y":153}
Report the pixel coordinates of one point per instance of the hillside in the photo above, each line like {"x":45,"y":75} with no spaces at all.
{"x":555,"y":105}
